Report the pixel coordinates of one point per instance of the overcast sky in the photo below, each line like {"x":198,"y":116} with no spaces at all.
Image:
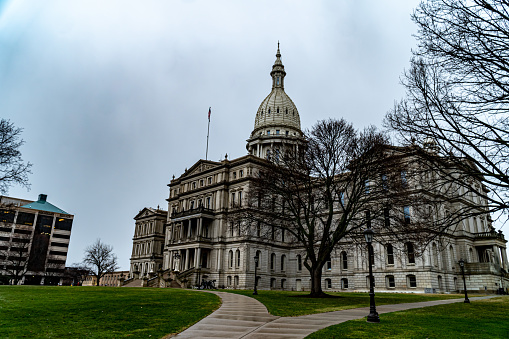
{"x":113,"y":95}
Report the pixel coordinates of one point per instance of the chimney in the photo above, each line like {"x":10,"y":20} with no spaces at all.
{"x":42,"y":197}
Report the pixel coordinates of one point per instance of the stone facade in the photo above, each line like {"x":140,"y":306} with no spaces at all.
{"x":202,"y":241}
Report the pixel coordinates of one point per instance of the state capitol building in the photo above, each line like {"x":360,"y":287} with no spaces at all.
{"x":195,"y":239}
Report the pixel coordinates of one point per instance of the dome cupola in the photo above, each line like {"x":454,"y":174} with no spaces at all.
{"x":277,"y":120}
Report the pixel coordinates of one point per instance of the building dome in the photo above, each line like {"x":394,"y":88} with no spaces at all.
{"x":277,"y":110}
{"x":277,"y":122}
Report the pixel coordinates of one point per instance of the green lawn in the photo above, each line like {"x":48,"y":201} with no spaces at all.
{"x":99,"y":312}
{"x":289,"y":304}
{"x":479,"y":319}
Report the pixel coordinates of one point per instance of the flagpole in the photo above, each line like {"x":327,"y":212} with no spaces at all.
{"x":208,"y":130}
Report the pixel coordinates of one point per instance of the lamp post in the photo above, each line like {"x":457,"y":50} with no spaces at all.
{"x":462,"y":266}
{"x":256,"y":259}
{"x":373,"y":315}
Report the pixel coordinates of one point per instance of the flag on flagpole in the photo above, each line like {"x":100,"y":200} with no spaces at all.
{"x":209,"y":113}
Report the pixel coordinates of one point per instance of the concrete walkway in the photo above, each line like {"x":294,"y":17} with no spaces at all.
{"x":244,"y":317}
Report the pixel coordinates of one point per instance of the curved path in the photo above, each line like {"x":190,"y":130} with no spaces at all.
{"x":244,"y":317}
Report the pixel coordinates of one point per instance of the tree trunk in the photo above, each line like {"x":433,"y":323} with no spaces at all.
{"x":316,"y":282}
{"x":97,"y":281}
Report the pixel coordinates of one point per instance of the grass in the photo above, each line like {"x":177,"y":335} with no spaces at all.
{"x":290,"y":304}
{"x":99,"y":312}
{"x":479,"y":319}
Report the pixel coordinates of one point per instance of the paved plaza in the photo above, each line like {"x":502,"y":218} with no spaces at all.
{"x":244,"y":317}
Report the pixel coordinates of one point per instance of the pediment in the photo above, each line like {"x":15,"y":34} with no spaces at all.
{"x":200,"y":166}
{"x":145,"y":212}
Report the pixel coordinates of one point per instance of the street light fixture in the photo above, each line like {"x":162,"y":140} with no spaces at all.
{"x":462,"y":266}
{"x":373,"y":315}
{"x":256,"y":260}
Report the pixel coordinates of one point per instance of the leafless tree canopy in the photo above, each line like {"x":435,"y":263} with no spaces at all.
{"x":13,"y":170}
{"x":457,"y":98}
{"x":101,"y":259}
{"x":329,"y":191}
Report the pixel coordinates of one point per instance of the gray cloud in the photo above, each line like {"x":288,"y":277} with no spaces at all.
{"x":113,"y":96}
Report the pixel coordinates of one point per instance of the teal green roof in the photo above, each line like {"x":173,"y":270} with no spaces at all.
{"x":43,"y":205}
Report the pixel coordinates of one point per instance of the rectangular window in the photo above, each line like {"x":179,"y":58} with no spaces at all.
{"x":208,"y":202}
{"x":63,"y":224}
{"x":277,"y":132}
{"x":268,"y":132}
{"x":25,"y":218}
{"x":387,"y":217}
{"x":342,"y":198}
{"x":233,"y":199}
{"x":241,"y":173}
{"x":286,"y":133}
{"x":390,"y":281}
{"x":368,"y":219}
{"x":406,"y":214}
{"x":234,"y":175}
{"x":366,"y":186}
{"x":404,"y":182}
{"x":201,"y":182}
{"x":385,"y":185}
{"x":410,"y":253}
{"x":412,"y":282}
{"x":240,"y":199}
{"x":7,"y":216}
{"x":209,"y":180}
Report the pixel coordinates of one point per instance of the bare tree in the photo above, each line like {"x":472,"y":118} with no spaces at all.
{"x":101,"y":259}
{"x":457,"y":99}
{"x":330,"y":191}
{"x":13,"y":170}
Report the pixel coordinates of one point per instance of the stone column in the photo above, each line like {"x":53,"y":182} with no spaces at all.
{"x":200,"y":227}
{"x":197,"y":255}
{"x":186,"y":266}
{"x":219,"y":259}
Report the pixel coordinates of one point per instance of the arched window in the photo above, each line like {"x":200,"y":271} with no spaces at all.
{"x":410,"y":253}
{"x":283,"y":259}
{"x":238,"y":257}
{"x":440,"y":284}
{"x":344,"y":283}
{"x":328,"y":283}
{"x":299,"y":262}
{"x":230,"y":258}
{"x":272,"y":282}
{"x":283,"y":284}
{"x":229,"y":280}
{"x":272,"y":261}
{"x":344,"y":260}
{"x":471,"y":254}
{"x":390,"y":254}
{"x":236,"y":280}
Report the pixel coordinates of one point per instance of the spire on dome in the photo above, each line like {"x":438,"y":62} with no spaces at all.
{"x":278,"y":71}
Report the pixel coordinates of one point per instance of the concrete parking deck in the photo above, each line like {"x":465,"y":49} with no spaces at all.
{"x":244,"y":317}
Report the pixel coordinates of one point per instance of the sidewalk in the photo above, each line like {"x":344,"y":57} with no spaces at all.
{"x":244,"y":317}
